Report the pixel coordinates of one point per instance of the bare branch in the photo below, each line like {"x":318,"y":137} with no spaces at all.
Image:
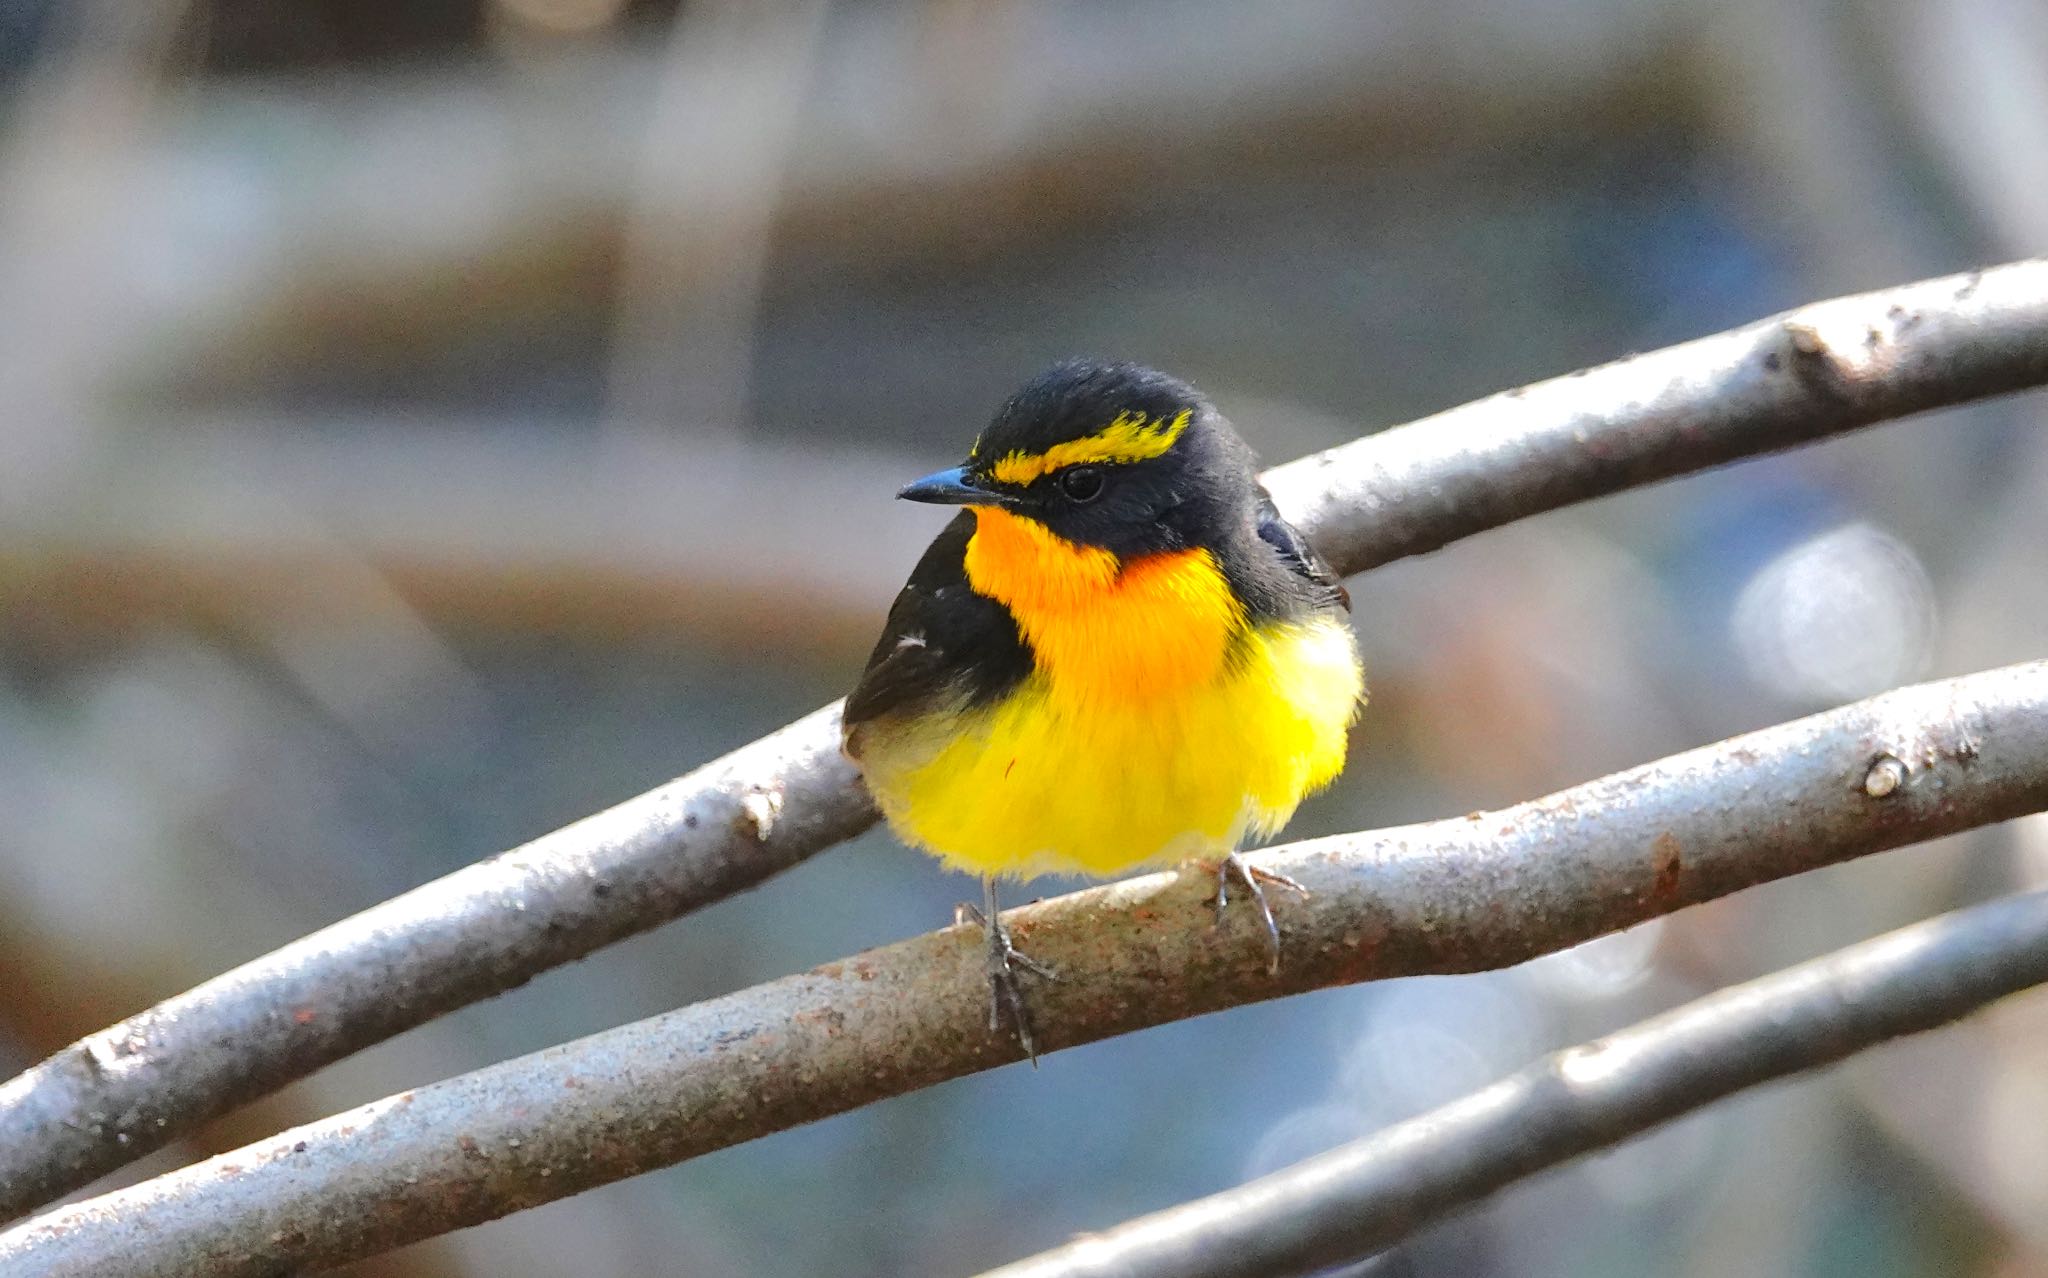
{"x":487,"y":928}
{"x":1818,"y":371}
{"x":1448,"y":896}
{"x":1369,"y":1194}
{"x":1776,"y":384}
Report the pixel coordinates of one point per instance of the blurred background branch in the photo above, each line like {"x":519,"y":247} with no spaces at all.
{"x":1370,"y":1194}
{"x":1460,"y":895}
{"x":1780,"y":382}
{"x":736,"y":79}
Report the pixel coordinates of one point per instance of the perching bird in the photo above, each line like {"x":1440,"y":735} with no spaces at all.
{"x":1119,"y":655}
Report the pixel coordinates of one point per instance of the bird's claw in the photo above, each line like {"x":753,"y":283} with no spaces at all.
{"x":1235,"y":866}
{"x":1003,"y":962}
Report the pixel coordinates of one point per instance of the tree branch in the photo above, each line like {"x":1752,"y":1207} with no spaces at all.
{"x":1766,"y":387}
{"x":1456,"y":895}
{"x":485,"y":929}
{"x":1369,"y":1194}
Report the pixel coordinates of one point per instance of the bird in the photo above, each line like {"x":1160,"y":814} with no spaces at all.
{"x":1117,"y":656}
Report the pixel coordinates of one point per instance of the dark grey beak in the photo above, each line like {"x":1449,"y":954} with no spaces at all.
{"x":949,"y":488}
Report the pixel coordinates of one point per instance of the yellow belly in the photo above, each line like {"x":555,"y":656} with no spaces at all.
{"x":1060,"y":777}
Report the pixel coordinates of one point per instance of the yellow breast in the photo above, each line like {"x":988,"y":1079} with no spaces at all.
{"x":1158,"y":722}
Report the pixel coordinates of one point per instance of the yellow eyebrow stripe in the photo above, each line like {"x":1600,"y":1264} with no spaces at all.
{"x":1132,"y":437}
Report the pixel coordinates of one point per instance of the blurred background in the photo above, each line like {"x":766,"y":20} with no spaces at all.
{"x":424,"y":423}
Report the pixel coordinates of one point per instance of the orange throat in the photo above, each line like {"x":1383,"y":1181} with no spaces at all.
{"x":1103,"y":629}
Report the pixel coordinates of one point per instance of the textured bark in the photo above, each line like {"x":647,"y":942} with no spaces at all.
{"x":1814,"y":372}
{"x":1369,"y":1194}
{"x":1456,"y":895}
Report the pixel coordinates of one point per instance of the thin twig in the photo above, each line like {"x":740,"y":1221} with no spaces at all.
{"x":1456,"y":895}
{"x":1369,"y":1194}
{"x":1813,"y":372}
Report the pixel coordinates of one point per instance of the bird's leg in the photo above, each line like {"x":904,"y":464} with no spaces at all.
{"x":1005,"y":960}
{"x":1235,"y":866}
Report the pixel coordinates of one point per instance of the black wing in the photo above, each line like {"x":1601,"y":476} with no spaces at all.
{"x":942,"y":644}
{"x":1297,"y":553}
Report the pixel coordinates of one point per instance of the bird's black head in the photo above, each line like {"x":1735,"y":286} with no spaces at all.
{"x":1110,"y":455}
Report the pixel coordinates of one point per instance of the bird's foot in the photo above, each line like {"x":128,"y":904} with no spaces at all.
{"x":1003,"y":963}
{"x":1251,"y":876}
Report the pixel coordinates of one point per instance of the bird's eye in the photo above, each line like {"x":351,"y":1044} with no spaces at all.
{"x":1081,"y":483}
